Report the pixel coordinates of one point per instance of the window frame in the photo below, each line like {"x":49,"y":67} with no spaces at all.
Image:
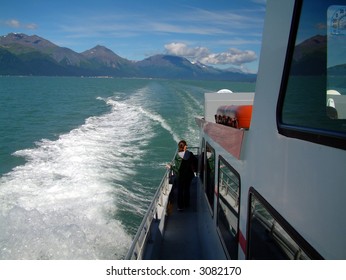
{"x":291,"y":232}
{"x":210,"y":199}
{"x":234,"y":212}
{"x":316,"y":135}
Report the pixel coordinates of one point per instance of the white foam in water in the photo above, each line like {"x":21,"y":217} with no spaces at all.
{"x":61,"y":204}
{"x":161,"y":121}
{"x":140,"y":97}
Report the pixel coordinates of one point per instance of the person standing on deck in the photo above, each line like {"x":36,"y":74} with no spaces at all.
{"x":185,"y":164}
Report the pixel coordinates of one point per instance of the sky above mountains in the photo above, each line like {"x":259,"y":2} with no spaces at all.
{"x":220,"y":33}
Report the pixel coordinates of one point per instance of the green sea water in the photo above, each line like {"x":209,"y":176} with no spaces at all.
{"x":80,"y":159}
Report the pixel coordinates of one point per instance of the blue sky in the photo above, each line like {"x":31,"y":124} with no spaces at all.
{"x":221,"y":33}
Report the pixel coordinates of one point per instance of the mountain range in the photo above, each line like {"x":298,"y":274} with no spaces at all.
{"x":21,"y":54}
{"x":310,"y":59}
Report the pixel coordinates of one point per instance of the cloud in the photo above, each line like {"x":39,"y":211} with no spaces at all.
{"x":14,"y":23}
{"x":182,"y":49}
{"x":231,"y":57}
{"x":31,"y":26}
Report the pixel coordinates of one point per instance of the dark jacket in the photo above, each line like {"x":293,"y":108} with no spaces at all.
{"x":184,"y":167}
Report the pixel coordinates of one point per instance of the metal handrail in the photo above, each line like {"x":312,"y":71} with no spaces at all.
{"x":137,"y":247}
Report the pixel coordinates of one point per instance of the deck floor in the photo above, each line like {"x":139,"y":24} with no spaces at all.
{"x":181,"y":240}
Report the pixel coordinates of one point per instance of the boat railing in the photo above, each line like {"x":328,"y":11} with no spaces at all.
{"x":287,"y":244}
{"x":150,"y":231}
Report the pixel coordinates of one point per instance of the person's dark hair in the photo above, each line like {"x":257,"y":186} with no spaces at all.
{"x":181,"y":145}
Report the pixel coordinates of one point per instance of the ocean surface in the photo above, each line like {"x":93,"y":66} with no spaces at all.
{"x":80,"y":159}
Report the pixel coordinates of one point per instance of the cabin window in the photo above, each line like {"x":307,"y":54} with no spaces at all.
{"x":270,"y":237}
{"x":312,"y":102}
{"x":228,"y":207}
{"x":209,"y":174}
{"x":201,"y":162}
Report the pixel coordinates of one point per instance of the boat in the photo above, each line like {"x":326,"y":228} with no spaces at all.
{"x":275,"y":187}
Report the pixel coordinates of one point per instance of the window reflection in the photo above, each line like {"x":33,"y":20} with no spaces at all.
{"x":336,"y":62}
{"x":201,"y":161}
{"x":272,"y":238}
{"x":228,"y":207}
{"x":313,"y":96}
{"x":210,"y":174}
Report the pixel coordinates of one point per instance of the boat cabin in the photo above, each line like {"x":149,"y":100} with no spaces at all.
{"x":271,"y":178}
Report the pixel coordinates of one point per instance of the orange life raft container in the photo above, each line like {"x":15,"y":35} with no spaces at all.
{"x":237,"y":116}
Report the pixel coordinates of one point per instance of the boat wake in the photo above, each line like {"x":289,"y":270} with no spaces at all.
{"x":83,"y":195}
{"x":63,"y":202}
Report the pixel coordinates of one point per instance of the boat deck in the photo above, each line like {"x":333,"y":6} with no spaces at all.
{"x":181,"y":238}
